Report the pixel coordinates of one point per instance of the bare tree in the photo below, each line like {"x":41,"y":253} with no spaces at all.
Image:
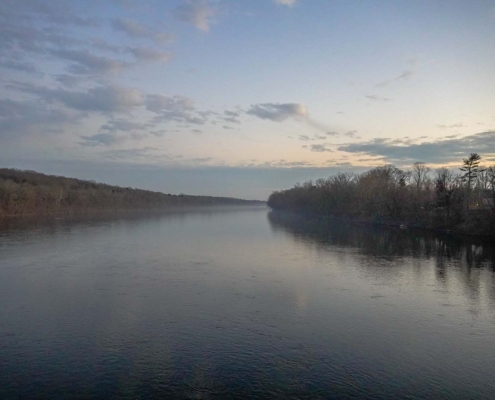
{"x":419,"y":175}
{"x":58,"y":195}
{"x":446,"y":183}
{"x":490,"y":172}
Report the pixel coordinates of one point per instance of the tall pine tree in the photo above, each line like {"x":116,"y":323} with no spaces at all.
{"x":471,"y":168}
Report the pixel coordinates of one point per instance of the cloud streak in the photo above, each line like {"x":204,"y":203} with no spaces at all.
{"x":374,"y":97}
{"x":279,"y":112}
{"x":320,"y":148}
{"x":458,"y":125}
{"x":401,"y":77}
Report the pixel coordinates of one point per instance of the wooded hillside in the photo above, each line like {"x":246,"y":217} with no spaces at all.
{"x":33,"y":193}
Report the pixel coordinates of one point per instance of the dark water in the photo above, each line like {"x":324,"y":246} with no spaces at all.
{"x":242,"y":304}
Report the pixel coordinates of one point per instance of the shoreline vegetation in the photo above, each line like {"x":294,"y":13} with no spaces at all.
{"x":30,"y":194}
{"x":442,"y":200}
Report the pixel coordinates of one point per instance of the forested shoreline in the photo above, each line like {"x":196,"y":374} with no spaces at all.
{"x":443,"y":199}
{"x":25,"y":193}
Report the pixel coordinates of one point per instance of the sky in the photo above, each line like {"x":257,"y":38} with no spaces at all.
{"x":239,"y":98}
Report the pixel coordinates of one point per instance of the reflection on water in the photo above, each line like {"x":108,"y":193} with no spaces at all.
{"x":383,"y":242}
{"x":227,"y":303}
{"x":462,"y":263}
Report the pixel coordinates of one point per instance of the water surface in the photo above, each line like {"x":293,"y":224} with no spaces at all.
{"x":242,"y":303}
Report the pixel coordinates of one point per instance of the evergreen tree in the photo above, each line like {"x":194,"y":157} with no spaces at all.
{"x":471,"y":168}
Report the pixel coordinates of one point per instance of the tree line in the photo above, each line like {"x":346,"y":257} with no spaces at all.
{"x":445,"y":199}
{"x":33,"y":193}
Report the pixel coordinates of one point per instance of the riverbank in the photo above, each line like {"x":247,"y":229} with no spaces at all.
{"x":478,"y":227}
{"x":32,"y":194}
{"x":387,"y":195}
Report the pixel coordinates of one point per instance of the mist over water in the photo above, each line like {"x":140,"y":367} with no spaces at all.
{"x":242,"y":303}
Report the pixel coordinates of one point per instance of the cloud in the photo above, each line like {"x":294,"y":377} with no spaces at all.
{"x":405,"y":75}
{"x":339,"y":164}
{"x":319,"y":148}
{"x":112,"y":100}
{"x":458,"y":125}
{"x":232,"y":120}
{"x":101,"y":139}
{"x":19,"y":66}
{"x":279,"y":112}
{"x":282,"y":164}
{"x":20,"y":34}
{"x":198,"y":13}
{"x":69,"y":80}
{"x":377,"y":98}
{"x":231,"y":113}
{"x":288,"y":3}
{"x":332,"y":133}
{"x":53,"y":12}
{"x":123,"y":125}
{"x":82,"y":62}
{"x":176,"y":108}
{"x":401,"y":77}
{"x":32,"y":31}
{"x":132,"y":28}
{"x":351,"y":134}
{"x":148,"y":55}
{"x":18,"y":118}
{"x":105,"y":99}
{"x":440,"y":151}
{"x":195,"y":120}
{"x":159,"y":103}
{"x":232,"y":117}
{"x":40,"y":34}
{"x":144,"y":154}
{"x":202,"y":159}
{"x":85,"y":63}
{"x":136,"y":30}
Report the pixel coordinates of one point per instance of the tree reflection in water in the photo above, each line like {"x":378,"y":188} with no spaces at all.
{"x":468,"y":264}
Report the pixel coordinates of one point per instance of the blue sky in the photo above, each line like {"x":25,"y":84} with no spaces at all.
{"x":240,"y":98}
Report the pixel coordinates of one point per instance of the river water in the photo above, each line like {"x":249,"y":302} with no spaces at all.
{"x":242,"y":303}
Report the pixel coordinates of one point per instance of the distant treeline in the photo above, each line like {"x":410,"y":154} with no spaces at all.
{"x":443,"y":199}
{"x":33,"y":193}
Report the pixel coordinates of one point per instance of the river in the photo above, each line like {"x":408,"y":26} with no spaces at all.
{"x":242,"y":303}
